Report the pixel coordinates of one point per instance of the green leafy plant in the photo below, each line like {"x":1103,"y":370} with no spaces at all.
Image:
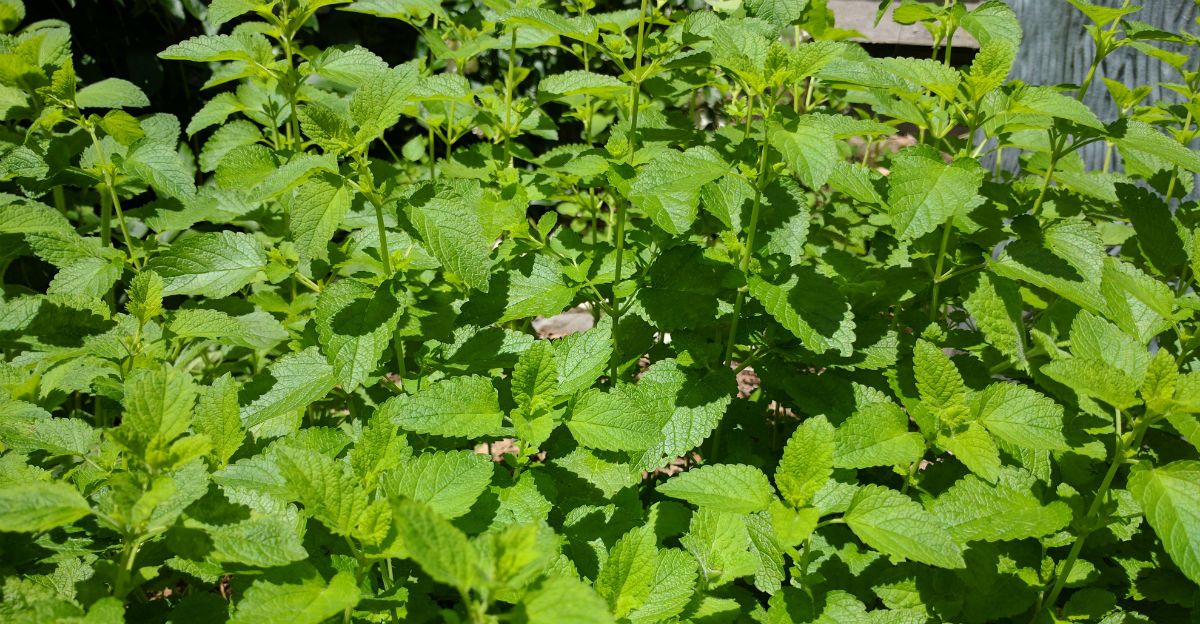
{"x":829,"y":359}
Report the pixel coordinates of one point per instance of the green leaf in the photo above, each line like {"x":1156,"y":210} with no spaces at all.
{"x":463,"y":407}
{"x":626,"y":576}
{"x":441,"y":550}
{"x":376,"y":105}
{"x":37,"y":507}
{"x":445,"y":217}
{"x":563,"y":599}
{"x":355,"y":321}
{"x":924,"y":192}
{"x":876,"y":435}
{"x":583,"y":356}
{"x":975,"y":510}
{"x":995,"y":307}
{"x":1094,"y":378}
{"x":303,"y":598}
{"x":939,"y":382}
{"x":735,"y":488}
{"x":448,"y":482}
{"x":668,"y":187}
{"x":807,"y":462}
{"x":534,"y":286}
{"x":262,"y":542}
{"x":1020,"y":415}
{"x":317,"y":211}
{"x":158,"y":409}
{"x":217,"y":416}
{"x":160,"y":166}
{"x":1170,"y":497}
{"x":686,"y":404}
{"x":603,"y":420}
{"x":289,"y":384}
{"x":809,"y":305}
{"x":326,"y":488}
{"x":895,"y":525}
{"x":577,"y":82}
{"x":781,"y":13}
{"x":975,"y":449}
{"x":209,"y":264}
{"x":111,"y":93}
{"x":809,"y":150}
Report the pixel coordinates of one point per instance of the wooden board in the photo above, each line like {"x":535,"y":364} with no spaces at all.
{"x":860,"y":15}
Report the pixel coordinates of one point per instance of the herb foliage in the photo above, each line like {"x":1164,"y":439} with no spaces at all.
{"x":282,"y":366}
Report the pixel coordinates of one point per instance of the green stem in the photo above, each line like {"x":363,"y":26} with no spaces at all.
{"x":111,"y":185}
{"x":122,"y":585}
{"x":1187,"y":122}
{"x":1054,"y":155}
{"x":635,"y":87}
{"x":508,"y":91}
{"x":385,"y":257}
{"x":751,"y":229}
{"x":1120,"y":455}
{"x":935,"y":301}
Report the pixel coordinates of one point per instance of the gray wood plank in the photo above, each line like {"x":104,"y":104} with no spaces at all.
{"x":860,"y":15}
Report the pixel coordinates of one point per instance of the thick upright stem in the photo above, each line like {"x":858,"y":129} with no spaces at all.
{"x":385,"y":257}
{"x":1122,"y":453}
{"x":935,"y":300}
{"x":751,"y":229}
{"x":508,"y":91}
{"x":636,"y":94}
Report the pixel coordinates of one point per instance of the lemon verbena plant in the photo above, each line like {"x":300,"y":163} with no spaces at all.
{"x":642,"y":311}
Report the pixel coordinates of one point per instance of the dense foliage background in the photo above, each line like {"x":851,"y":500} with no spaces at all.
{"x":400,"y":310}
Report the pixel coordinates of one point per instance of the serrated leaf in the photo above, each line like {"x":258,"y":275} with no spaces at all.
{"x":304,"y":598}
{"x":975,"y":510}
{"x":441,"y":550}
{"x":808,"y":149}
{"x":448,"y":482}
{"x":668,"y":187}
{"x":1170,"y":497}
{"x":735,"y":488}
{"x":924,"y":192}
{"x":810,"y":306}
{"x":876,"y":435}
{"x":445,"y":218}
{"x":37,"y":507}
{"x":626,"y":576}
{"x":355,"y":322}
{"x":807,"y":462}
{"x":111,"y":93}
{"x":465,"y":407}
{"x":209,"y":264}
{"x":604,"y":420}
{"x":289,"y":384}
{"x":1020,"y":415}
{"x":895,"y":525}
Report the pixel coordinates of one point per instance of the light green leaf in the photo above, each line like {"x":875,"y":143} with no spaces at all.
{"x":809,"y":150}
{"x":583,"y":356}
{"x":735,"y":488}
{"x":604,"y":420}
{"x":160,"y":166}
{"x":1020,"y":415}
{"x":111,"y":93}
{"x":448,"y":482}
{"x":209,"y":264}
{"x":896,"y":525}
{"x":326,"y":488}
{"x":355,"y":321}
{"x":445,"y":218}
{"x":564,"y":599}
{"x":305,"y":598}
{"x":436,"y":545}
{"x":317,"y":211}
{"x":627,"y":574}
{"x":974,"y":510}
{"x":809,"y":305}
{"x":376,"y":105}
{"x":1170,"y":497}
{"x":807,"y":462}
{"x":463,"y":407}
{"x":577,"y":82}
{"x":924,"y":192}
{"x":668,"y":187}
{"x":289,"y":384}
{"x":876,"y":435}
{"x":37,"y":507}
